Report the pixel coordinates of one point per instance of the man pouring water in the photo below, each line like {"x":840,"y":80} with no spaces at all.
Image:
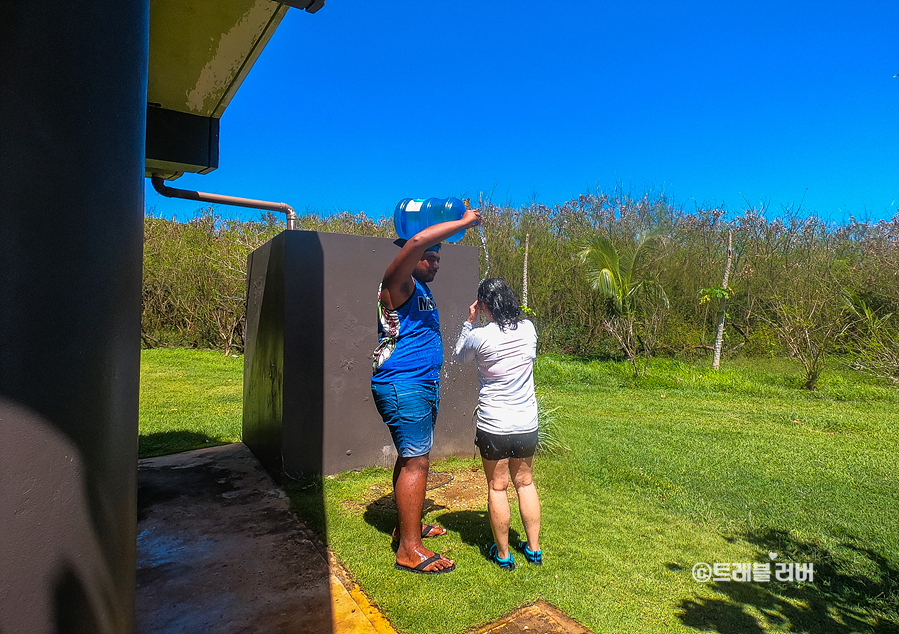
{"x":406,"y":383}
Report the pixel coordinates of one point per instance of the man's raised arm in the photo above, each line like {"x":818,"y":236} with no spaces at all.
{"x":397,"y":285}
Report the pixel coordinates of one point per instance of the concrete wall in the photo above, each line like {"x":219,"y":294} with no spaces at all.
{"x":311,"y":329}
{"x":73,"y":97}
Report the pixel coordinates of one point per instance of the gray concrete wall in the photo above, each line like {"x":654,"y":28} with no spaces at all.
{"x":73,"y":95}
{"x":311,"y":329}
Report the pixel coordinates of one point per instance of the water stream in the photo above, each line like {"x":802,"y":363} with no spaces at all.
{"x":486,"y":255}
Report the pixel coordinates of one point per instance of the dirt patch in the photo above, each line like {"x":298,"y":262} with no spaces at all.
{"x":466,"y":491}
{"x":458,"y":490}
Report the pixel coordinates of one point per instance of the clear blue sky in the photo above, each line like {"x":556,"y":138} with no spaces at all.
{"x":713,"y":103}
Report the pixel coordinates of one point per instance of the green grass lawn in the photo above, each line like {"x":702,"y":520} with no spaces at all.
{"x":685,"y":466}
{"x":188,"y":399}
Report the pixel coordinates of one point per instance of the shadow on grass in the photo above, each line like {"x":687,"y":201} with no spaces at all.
{"x":845,"y":598}
{"x":474,"y":529}
{"x":307,"y":502}
{"x":381,"y":513}
{"x":168,"y":442}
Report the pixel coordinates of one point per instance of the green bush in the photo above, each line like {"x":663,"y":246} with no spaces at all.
{"x":194,"y":272}
{"x":194,"y":282}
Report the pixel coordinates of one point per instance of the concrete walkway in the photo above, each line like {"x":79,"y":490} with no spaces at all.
{"x":219,"y":551}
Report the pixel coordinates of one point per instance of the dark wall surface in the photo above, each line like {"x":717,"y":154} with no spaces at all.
{"x":73,"y":104}
{"x":311,"y":329}
{"x":263,"y":405}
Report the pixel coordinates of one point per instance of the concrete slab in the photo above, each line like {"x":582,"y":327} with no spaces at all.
{"x":220,"y":551}
{"x":540,"y":618}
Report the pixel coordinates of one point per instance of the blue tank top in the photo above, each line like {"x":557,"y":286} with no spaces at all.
{"x":410,"y":347}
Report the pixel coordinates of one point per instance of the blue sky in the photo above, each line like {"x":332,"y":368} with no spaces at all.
{"x":713,"y":103}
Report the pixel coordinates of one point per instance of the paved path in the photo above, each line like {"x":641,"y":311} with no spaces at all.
{"x":219,"y":551}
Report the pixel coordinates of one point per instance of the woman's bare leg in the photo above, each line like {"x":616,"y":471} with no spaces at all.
{"x":497,"y":472}
{"x":528,"y":502}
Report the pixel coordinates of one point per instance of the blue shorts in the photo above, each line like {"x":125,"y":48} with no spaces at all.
{"x":410,"y":411}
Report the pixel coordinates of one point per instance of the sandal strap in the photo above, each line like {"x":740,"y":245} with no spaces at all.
{"x":425,"y":532}
{"x":531,"y":555}
{"x":427,"y":528}
{"x":508,"y":562}
{"x":427,"y":562}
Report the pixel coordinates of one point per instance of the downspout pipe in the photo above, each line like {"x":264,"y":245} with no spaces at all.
{"x":171,"y":192}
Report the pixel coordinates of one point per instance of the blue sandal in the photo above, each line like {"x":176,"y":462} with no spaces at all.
{"x":506,"y":564}
{"x":535,"y":558}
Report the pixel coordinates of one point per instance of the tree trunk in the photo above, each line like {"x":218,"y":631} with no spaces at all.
{"x":719,"y":333}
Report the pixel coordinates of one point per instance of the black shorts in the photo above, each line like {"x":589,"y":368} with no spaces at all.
{"x":501,"y":446}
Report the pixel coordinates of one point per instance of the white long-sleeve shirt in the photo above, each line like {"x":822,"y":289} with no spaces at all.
{"x":506,"y":400}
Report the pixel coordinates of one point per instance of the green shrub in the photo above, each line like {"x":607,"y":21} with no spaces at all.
{"x":194,"y":272}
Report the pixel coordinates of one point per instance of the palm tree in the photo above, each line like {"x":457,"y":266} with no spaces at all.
{"x":634,"y":298}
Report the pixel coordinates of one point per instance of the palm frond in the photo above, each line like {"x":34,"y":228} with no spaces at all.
{"x":647,"y":248}
{"x":601,"y":263}
{"x":600,"y":253}
{"x":626,"y":265}
{"x":657,"y":294}
{"x":609,"y":287}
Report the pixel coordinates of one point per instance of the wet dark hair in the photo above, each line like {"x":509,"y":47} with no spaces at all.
{"x":496,"y":295}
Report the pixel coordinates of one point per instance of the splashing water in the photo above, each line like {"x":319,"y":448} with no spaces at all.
{"x":482,"y":204}
{"x":486,"y":255}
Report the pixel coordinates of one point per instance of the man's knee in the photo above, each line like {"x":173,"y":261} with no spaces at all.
{"x":414,"y":463}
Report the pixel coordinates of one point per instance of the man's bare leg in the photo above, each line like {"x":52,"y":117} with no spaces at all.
{"x":410,"y":480}
{"x":437,"y":530}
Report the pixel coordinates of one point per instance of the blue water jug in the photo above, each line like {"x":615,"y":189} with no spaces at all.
{"x":414,"y":214}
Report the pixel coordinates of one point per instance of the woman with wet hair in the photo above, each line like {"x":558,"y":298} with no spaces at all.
{"x":505,"y":348}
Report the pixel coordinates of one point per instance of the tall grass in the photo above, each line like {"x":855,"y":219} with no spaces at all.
{"x":784,"y":263}
{"x":194,"y":283}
